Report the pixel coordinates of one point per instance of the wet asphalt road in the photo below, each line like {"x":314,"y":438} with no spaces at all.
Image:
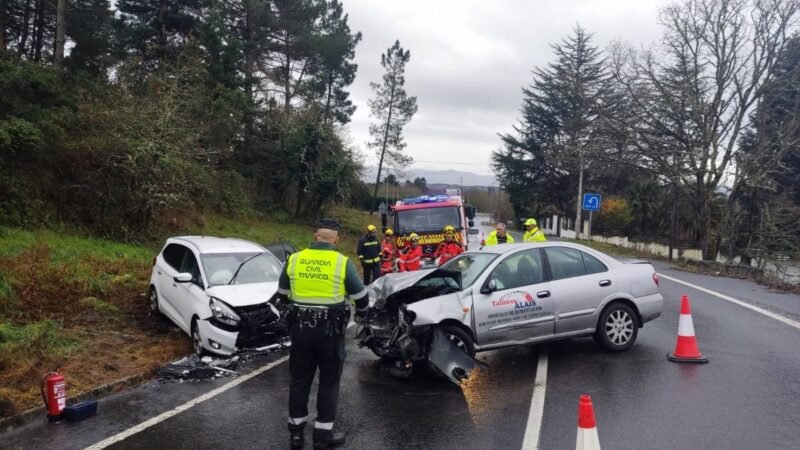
{"x":744,"y":398}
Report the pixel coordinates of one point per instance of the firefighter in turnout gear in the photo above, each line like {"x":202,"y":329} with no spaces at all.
{"x":316,"y":282}
{"x":448,"y":249}
{"x":411,"y":256}
{"x":369,"y":254}
{"x":499,"y":236}
{"x":533,"y":233}
{"x":387,"y":252}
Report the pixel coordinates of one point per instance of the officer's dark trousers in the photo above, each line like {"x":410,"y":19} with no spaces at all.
{"x":371,"y":272}
{"x":312,"y":349}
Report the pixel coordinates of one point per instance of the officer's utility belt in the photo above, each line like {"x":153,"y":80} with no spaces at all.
{"x":333,"y":319}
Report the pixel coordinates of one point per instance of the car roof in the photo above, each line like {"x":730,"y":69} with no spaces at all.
{"x":500,"y":249}
{"x":212,"y":244}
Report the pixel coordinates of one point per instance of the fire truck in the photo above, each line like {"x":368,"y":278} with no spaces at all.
{"x":427,"y":216}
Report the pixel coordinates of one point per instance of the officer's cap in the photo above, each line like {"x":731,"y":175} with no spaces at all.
{"x":329,"y":224}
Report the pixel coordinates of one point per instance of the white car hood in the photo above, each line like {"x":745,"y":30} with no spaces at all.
{"x":244,"y":294}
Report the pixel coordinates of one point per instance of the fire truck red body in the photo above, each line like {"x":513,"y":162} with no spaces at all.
{"x":427,"y":216}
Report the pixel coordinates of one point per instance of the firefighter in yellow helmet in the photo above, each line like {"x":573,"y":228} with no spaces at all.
{"x":369,"y":254}
{"x":411,"y":256}
{"x":450,"y":248}
{"x":533,"y":233}
{"x":388,"y":251}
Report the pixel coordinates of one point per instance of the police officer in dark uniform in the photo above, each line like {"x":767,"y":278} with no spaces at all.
{"x":317,"y":281}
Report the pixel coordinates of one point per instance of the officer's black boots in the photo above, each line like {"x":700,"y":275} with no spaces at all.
{"x":327,"y":438}
{"x":297,"y":436}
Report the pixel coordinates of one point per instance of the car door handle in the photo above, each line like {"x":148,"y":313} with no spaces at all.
{"x":159,"y":272}
{"x":174,"y":285}
{"x":605,"y":283}
{"x":543,"y":294}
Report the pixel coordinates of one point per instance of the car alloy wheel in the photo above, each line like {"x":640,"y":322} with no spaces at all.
{"x":460,"y":337}
{"x":619,"y":327}
{"x":197,"y":341}
{"x":154,"y":309}
{"x":459,"y":343}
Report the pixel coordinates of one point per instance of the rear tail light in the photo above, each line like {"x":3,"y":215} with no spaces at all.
{"x":655,"y":278}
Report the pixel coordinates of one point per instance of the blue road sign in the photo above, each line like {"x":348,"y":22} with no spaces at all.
{"x":591,"y":202}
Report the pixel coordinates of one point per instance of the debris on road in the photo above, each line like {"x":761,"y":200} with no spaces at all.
{"x":208,"y":367}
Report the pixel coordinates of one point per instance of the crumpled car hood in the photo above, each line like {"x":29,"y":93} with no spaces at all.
{"x":244,"y":294}
{"x":390,"y":283}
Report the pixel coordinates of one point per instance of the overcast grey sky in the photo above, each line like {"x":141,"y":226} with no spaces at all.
{"x":470,"y":60}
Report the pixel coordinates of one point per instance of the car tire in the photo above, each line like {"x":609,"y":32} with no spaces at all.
{"x":197,"y":340}
{"x":153,"y":304}
{"x":617,"y":328}
{"x":463,"y":340}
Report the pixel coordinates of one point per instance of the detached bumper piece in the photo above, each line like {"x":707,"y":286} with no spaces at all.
{"x":451,"y":360}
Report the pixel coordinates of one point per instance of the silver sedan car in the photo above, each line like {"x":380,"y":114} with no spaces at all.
{"x":505,"y":295}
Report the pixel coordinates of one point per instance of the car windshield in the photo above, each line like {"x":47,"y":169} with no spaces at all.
{"x":220,"y":267}
{"x":427,"y":219}
{"x":471,"y":265}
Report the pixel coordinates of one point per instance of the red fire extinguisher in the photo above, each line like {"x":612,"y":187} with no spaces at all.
{"x":54,"y":394}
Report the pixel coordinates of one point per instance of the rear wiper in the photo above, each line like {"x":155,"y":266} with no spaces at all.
{"x":235,"y":274}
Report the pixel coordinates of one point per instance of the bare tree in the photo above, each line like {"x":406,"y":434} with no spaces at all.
{"x":696,"y":90}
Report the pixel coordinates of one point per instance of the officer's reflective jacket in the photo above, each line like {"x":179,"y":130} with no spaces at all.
{"x":319,"y":275}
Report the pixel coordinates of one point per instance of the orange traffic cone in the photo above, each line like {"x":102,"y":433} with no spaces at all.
{"x":587,"y":428}
{"x":686,"y":349}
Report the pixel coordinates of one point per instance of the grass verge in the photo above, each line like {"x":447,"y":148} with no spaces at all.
{"x":78,"y":303}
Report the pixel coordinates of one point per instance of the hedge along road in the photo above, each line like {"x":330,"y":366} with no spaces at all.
{"x":740,"y":400}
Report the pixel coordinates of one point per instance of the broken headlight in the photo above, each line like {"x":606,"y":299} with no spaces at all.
{"x":223,"y":313}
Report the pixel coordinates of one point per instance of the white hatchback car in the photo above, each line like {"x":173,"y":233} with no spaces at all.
{"x":216,"y":290}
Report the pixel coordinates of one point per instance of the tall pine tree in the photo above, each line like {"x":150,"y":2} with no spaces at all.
{"x":393,"y":109}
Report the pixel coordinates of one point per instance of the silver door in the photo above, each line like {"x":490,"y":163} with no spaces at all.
{"x":580,"y":282}
{"x":514,"y":302}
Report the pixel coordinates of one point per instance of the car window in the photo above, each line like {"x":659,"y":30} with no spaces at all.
{"x":173,"y":255}
{"x":259,"y":268}
{"x":471,"y":266}
{"x":190,"y":266}
{"x":520,"y":269}
{"x":593,"y":265}
{"x":565,"y":262}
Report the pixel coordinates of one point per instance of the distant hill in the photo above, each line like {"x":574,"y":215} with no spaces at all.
{"x":443,"y":177}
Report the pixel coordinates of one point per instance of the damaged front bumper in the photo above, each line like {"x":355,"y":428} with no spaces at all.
{"x":450,"y":360}
{"x":260,"y":329}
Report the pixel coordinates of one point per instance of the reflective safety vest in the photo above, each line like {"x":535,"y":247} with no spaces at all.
{"x":317,"y":276}
{"x":535,"y":235}
{"x":494,"y":240}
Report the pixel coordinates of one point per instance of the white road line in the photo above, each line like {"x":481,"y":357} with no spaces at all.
{"x":534,"y":428}
{"x":770,"y":314}
{"x":188,"y":405}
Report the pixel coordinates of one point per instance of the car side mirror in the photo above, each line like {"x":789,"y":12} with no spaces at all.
{"x":489,"y":287}
{"x":184,"y":277}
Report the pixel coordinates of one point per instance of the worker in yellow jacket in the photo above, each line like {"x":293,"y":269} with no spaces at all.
{"x":499,"y":236}
{"x":533,"y":233}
